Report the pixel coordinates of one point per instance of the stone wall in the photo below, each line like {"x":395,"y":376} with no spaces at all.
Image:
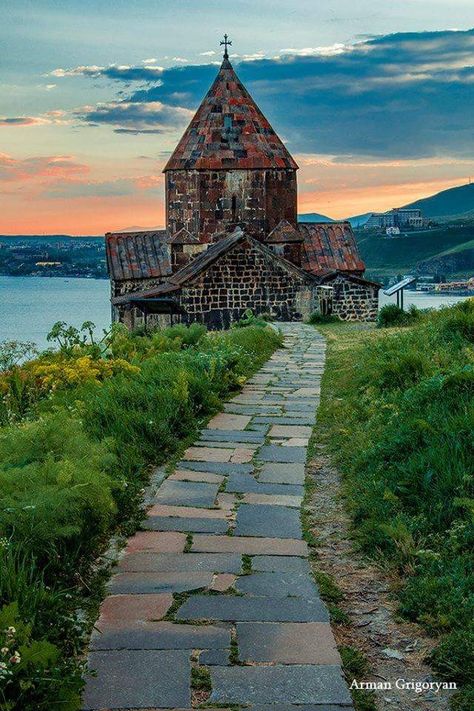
{"x":209,"y":202}
{"x":245,"y":278}
{"x":354,"y":301}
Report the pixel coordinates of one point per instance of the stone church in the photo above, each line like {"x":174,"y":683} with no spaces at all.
{"x":232,"y":240}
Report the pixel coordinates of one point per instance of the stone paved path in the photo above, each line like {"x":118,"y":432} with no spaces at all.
{"x":224,"y":531}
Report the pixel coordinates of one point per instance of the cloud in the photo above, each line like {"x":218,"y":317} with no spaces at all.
{"x":402,"y":95}
{"x":20,"y":121}
{"x":50,"y":117}
{"x":135,"y":117}
{"x":405,"y":95}
{"x":51,"y":167}
{"x":115,"y":72}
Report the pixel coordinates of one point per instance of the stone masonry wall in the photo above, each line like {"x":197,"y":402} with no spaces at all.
{"x":352,"y":301}
{"x":209,"y":202}
{"x":244,"y":278}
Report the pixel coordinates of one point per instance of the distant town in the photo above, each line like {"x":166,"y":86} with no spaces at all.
{"x":53,"y":256}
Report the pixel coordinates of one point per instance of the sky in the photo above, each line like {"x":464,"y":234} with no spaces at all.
{"x":374,"y":100}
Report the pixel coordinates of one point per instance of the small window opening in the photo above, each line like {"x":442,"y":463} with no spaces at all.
{"x":234,"y":208}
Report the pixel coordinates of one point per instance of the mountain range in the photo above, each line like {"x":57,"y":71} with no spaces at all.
{"x":454,"y":203}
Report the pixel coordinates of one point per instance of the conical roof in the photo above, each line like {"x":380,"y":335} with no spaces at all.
{"x":230,"y":132}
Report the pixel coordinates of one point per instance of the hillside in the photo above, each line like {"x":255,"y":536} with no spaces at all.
{"x":314,"y":217}
{"x":448,"y":250}
{"x":454,"y":201}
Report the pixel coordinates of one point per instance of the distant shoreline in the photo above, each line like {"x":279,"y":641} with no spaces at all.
{"x":54,"y":276}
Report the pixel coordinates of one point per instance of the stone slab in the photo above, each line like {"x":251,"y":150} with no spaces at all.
{"x":188,"y":475}
{"x":232,"y":436}
{"x":184,"y":493}
{"x":235,"y":608}
{"x":268,"y":521}
{"x":299,"y":707}
{"x":185,"y":512}
{"x":224,"y":421}
{"x":276,"y":453}
{"x":151,"y":542}
{"x":163,"y":635}
{"x":217,"y":467}
{"x":246,"y":483}
{"x":284,"y":420}
{"x":278,"y":584}
{"x":251,"y":446}
{"x":249,"y":545}
{"x":128,"y":611}
{"x":243,"y":409}
{"x":270,"y":563}
{"x":290,"y":431}
{"x":287,"y":643}
{"x":279,"y":473}
{"x":170,"y":563}
{"x":297,"y":684}
{"x":207,"y":454}
{"x":137,"y":583}
{"x":215,"y":657}
{"x":141,"y":678}
{"x":189,"y":525}
{"x":273,"y":500}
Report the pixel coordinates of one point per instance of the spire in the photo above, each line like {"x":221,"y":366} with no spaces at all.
{"x":226,"y":42}
{"x":229,"y":131}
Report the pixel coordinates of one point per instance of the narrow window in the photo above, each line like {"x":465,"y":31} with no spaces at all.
{"x":234,"y":208}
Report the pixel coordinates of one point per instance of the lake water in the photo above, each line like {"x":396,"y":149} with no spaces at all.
{"x":29,"y":306}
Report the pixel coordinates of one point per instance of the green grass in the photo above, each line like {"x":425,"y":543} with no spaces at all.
{"x":75,"y":454}
{"x":397,"y":412}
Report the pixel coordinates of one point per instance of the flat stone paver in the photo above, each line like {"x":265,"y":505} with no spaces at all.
{"x":237,"y":608}
{"x":296,"y":684}
{"x":275,"y":453}
{"x":188,"y":524}
{"x":162,"y":635}
{"x":278,"y":584}
{"x":195,"y":562}
{"x":139,"y":679}
{"x":221,"y":557}
{"x":249,"y":545}
{"x":268,"y":521}
{"x":286,"y":643}
{"x":187,"y":493}
{"x":278,"y":473}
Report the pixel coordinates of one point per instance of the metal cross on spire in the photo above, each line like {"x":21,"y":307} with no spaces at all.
{"x":226,"y":42}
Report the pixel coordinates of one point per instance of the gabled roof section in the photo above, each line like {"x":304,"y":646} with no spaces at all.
{"x":229,"y":131}
{"x":204,"y":260}
{"x":284,"y":232}
{"x":182,"y":237}
{"x":137,"y":255}
{"x":329,"y":246}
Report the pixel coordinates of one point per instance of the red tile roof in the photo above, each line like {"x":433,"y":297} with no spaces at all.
{"x":229,"y":131}
{"x":137,"y":255}
{"x":329,"y":246}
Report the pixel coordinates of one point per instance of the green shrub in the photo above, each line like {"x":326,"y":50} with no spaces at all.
{"x":323,"y":318}
{"x":392,"y":315}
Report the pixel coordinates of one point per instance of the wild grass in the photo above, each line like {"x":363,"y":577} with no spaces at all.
{"x":398,"y":413}
{"x":82,"y":427}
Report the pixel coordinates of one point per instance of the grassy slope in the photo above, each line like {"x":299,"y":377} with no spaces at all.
{"x":397,"y":411}
{"x":386,"y":256}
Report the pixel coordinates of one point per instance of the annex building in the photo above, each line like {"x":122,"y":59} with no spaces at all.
{"x":232,"y":240}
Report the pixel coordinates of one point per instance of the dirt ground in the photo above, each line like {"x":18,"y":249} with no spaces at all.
{"x":395,"y":649}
